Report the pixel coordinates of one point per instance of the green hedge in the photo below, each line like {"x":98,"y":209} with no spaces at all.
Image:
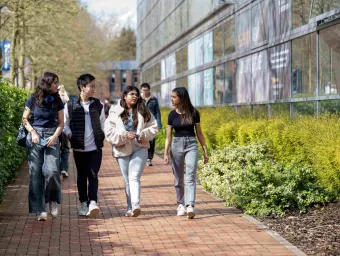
{"x":306,"y":146}
{"x":11,"y":155}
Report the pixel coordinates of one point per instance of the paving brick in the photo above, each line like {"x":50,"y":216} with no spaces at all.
{"x":216,"y":230}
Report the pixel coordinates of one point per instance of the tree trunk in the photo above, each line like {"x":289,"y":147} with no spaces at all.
{"x":13,"y":44}
{"x":21,"y":60}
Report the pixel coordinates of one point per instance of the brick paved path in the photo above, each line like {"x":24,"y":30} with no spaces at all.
{"x":216,"y":230}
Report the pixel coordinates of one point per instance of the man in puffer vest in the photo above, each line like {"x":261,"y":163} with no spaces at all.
{"x":84,"y":125}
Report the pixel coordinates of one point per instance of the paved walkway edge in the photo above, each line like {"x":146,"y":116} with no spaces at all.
{"x":275,"y":235}
{"x":263,"y":227}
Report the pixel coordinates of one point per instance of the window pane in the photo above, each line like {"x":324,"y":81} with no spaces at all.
{"x":279,"y":66}
{"x":208,"y":47}
{"x":178,"y":61}
{"x":218,"y":43}
{"x":260,"y":23}
{"x":243,"y":80}
{"x":330,"y":60}
{"x":208,"y":87}
{"x":157,"y":72}
{"x":279,"y":20}
{"x":230,"y":82}
{"x":304,"y":108}
{"x":156,"y":91}
{"x":260,"y":111}
{"x":260,"y":76}
{"x":166,"y":94}
{"x":301,"y":11}
{"x":219,"y":84}
{"x":191,"y":55}
{"x":199,"y":99}
{"x":244,"y":110}
{"x":229,"y":30}
{"x":304,"y":66}
{"x":280,"y":109}
{"x":322,"y":6}
{"x":243,"y":22}
{"x":184,"y":54}
{"x":199,"y":51}
{"x":163,"y":69}
{"x":330,"y":106}
{"x":192,"y":88}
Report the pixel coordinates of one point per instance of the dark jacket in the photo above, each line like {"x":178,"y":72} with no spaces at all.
{"x":77,"y":123}
{"x":153,"y":106}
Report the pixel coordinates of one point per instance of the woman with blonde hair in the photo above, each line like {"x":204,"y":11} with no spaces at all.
{"x":64,"y":148}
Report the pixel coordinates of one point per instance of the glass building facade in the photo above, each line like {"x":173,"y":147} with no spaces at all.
{"x":268,"y":56}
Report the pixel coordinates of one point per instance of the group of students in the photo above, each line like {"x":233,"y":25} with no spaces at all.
{"x":130,"y":128}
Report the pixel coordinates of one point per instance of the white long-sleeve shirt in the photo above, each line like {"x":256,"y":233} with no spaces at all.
{"x":89,"y":143}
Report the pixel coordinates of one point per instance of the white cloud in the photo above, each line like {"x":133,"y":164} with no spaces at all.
{"x":124,"y":10}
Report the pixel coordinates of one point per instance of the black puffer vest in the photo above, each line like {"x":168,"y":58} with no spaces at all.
{"x":77,"y":123}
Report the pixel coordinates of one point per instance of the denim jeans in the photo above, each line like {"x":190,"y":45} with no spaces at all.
{"x":88,"y":165}
{"x":132,"y":167}
{"x":43,"y":163}
{"x":184,"y":149}
{"x":64,"y":152}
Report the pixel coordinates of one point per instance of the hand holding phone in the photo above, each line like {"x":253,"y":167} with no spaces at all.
{"x":43,"y":142}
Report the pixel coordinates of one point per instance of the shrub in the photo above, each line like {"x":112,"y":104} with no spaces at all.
{"x":249,"y":178}
{"x":11,"y":155}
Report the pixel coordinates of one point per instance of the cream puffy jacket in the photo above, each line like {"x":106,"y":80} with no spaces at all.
{"x":116,"y":134}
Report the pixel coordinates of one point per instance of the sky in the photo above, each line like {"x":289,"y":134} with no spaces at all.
{"x":126,"y":11}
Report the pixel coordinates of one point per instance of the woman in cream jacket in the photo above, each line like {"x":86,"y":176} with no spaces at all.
{"x":129,"y":128}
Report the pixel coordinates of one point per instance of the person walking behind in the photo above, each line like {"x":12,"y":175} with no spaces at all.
{"x":129,"y":128}
{"x":152,"y":104}
{"x":84,"y":125}
{"x":64,"y":148}
{"x":184,"y":119}
{"x":42,"y":145}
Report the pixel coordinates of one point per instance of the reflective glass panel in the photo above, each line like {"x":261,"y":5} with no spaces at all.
{"x":304,"y":66}
{"x":330,"y":60}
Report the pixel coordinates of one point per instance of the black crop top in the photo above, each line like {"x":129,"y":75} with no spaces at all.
{"x":182,"y":130}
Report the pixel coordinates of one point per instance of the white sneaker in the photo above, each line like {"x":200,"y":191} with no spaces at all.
{"x":190,"y":212}
{"x":128,"y":213}
{"x":148,"y":162}
{"x":54,"y":209}
{"x":93,"y":209}
{"x":42,"y":216}
{"x":64,"y":173}
{"x":181,"y":210}
{"x":83,"y":209}
{"x":136,"y":211}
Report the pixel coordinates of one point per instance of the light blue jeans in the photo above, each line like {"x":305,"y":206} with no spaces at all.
{"x":43,"y":163}
{"x":132,"y":167}
{"x":184,"y":150}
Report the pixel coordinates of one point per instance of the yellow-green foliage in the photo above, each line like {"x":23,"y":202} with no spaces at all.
{"x":303,"y":140}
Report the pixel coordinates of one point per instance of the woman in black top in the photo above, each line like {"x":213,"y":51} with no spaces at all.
{"x":184,"y":119}
{"x":42,"y":145}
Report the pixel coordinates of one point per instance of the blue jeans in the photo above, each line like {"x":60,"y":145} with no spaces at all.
{"x":132,"y":167}
{"x":43,"y":163}
{"x":184,"y":149}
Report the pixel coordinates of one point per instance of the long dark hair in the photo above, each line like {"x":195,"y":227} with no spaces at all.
{"x":185,"y":107}
{"x":43,"y":89}
{"x":139,"y":107}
